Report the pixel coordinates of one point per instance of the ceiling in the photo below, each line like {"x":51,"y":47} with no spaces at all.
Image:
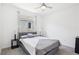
{"x":32,"y":7}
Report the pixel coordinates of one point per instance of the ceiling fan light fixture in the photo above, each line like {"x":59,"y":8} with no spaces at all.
{"x":44,"y":7}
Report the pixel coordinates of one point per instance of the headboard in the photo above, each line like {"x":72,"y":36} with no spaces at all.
{"x":25,"y":33}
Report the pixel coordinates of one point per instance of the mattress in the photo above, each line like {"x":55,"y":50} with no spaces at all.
{"x":39,"y":45}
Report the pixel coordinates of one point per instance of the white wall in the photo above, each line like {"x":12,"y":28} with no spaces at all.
{"x":9,"y":24}
{"x":39,"y":24}
{"x":1,"y":27}
{"x":63,"y":25}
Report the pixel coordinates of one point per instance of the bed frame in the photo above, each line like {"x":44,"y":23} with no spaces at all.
{"x":51,"y":52}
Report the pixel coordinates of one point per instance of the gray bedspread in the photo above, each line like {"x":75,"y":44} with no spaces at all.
{"x":46,"y":45}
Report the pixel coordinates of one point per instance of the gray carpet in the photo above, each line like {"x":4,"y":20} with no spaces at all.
{"x":63,"y":50}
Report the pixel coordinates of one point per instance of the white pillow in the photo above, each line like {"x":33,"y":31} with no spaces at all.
{"x":27,"y":36}
{"x":24,"y":36}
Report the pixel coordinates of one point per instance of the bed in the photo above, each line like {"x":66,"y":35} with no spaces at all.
{"x":37,"y":44}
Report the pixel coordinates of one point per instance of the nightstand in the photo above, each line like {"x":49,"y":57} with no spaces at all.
{"x":14,"y":43}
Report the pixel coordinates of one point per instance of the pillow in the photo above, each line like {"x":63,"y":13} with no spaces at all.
{"x":24,"y":36}
{"x":29,"y":35}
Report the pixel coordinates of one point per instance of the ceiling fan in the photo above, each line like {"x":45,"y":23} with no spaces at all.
{"x":44,"y":6}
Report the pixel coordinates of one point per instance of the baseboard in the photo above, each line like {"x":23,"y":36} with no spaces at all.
{"x":6,"y":48}
{"x":69,"y":47}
